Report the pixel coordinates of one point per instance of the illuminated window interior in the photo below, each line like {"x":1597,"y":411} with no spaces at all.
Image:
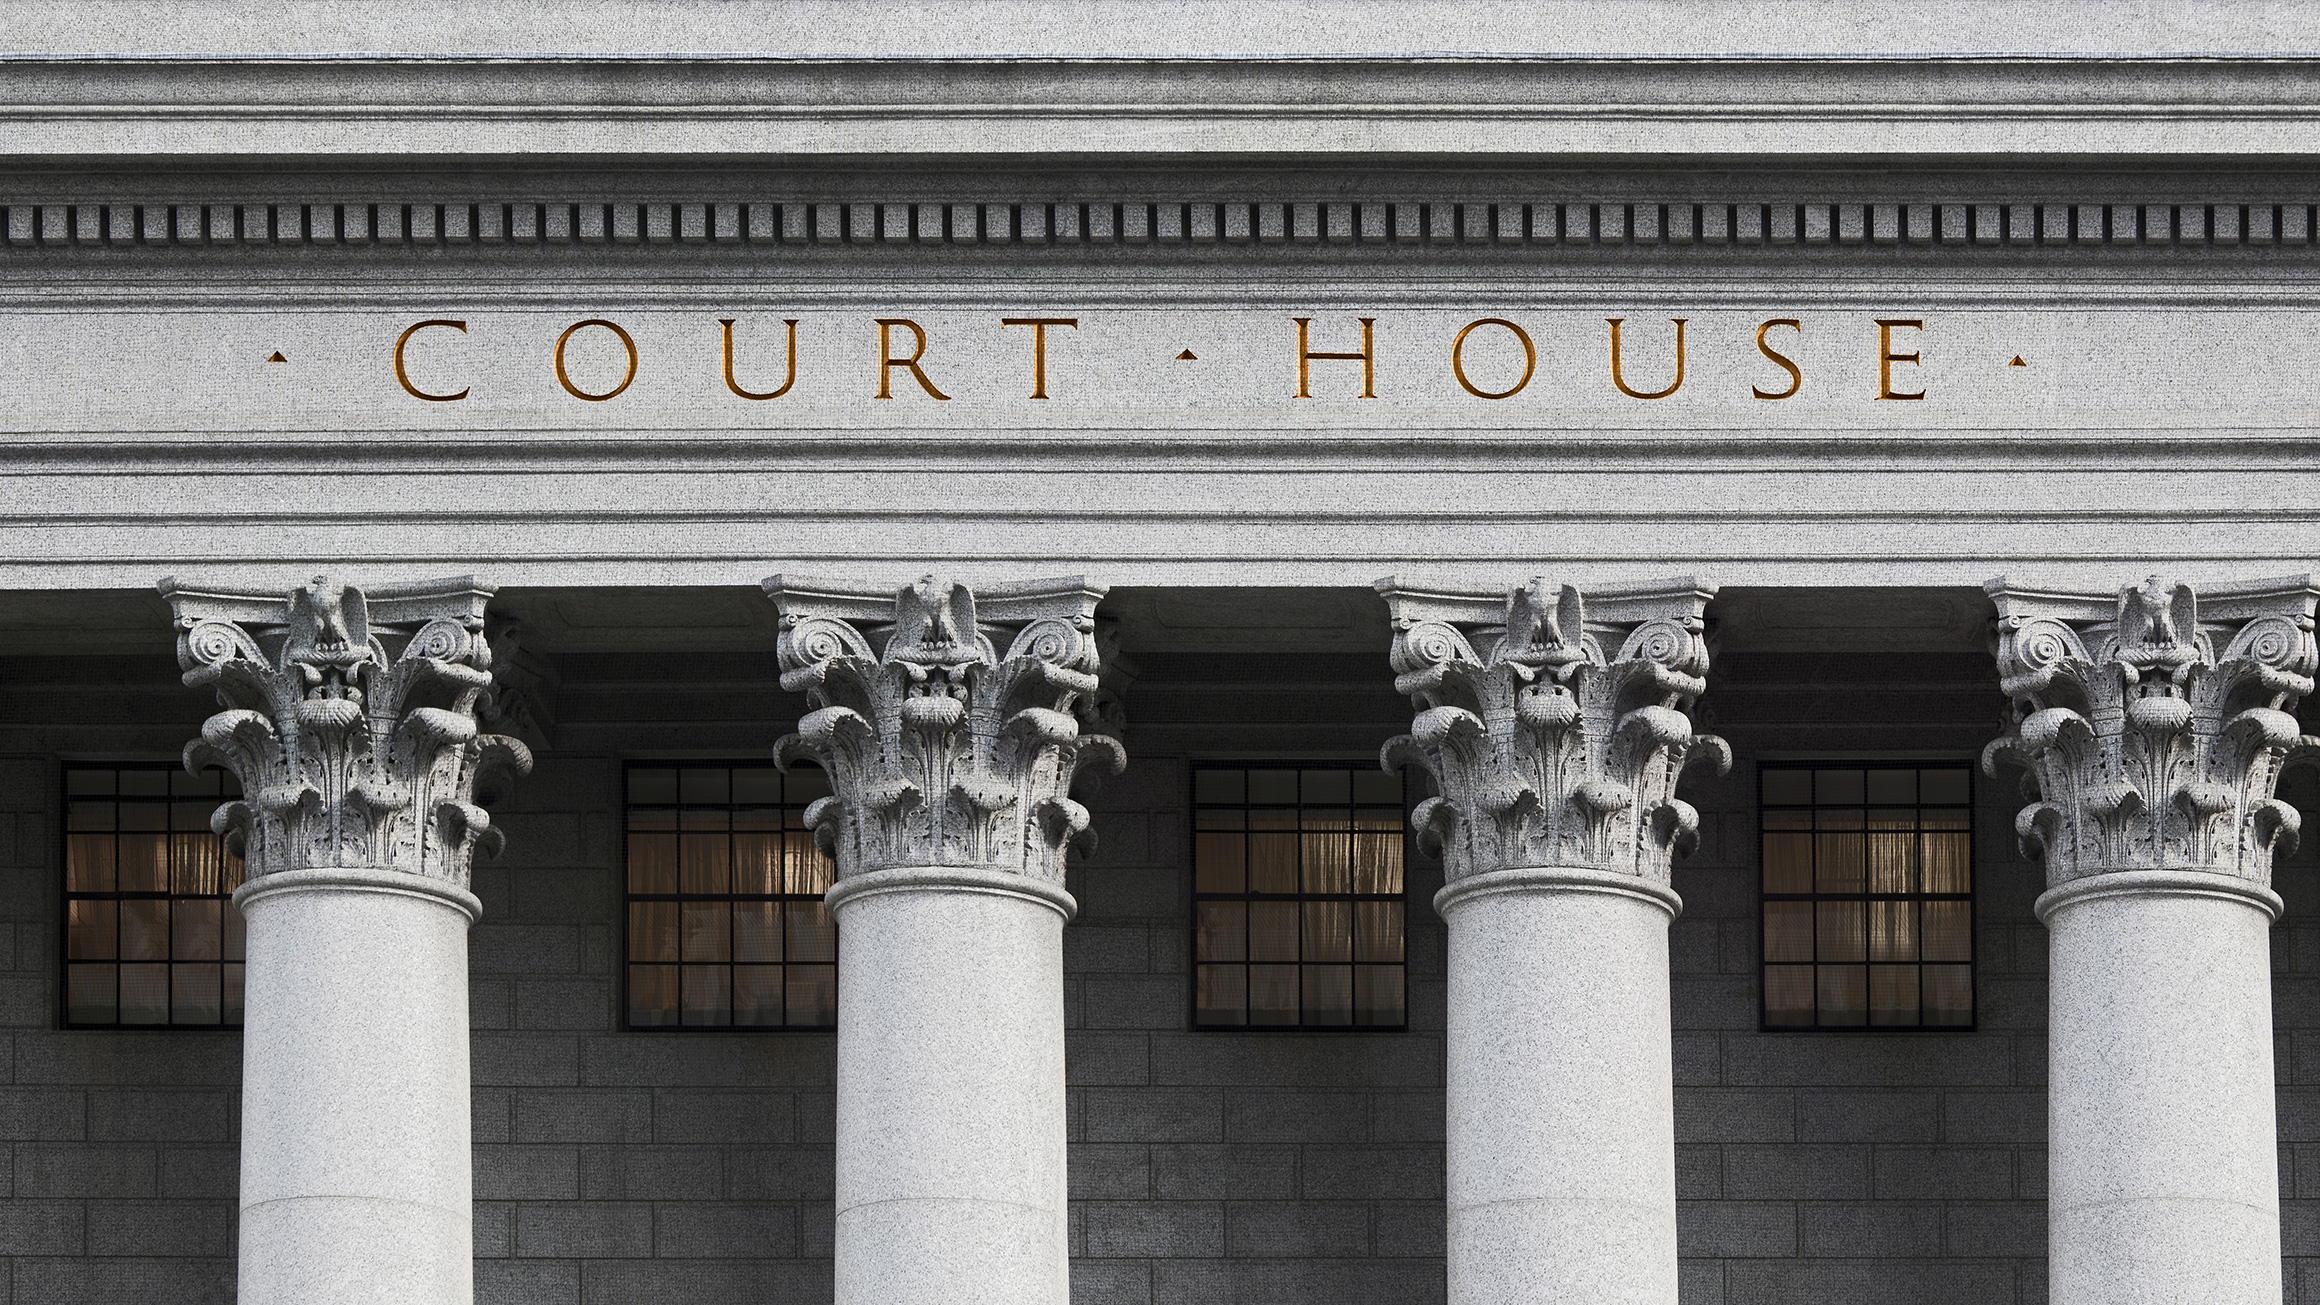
{"x":151,"y":934}
{"x":1868,"y":895}
{"x":726,"y":926}
{"x":1298,"y":898}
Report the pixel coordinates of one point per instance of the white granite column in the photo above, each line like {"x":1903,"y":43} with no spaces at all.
{"x":2155,"y":723}
{"x":951,"y":764}
{"x":1554,"y":728}
{"x":349,"y":718}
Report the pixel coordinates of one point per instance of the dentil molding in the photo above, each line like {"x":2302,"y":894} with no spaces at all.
{"x":1706,"y":222}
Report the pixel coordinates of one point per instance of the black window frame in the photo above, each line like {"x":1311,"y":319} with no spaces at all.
{"x":628,"y":897}
{"x":176,"y":774}
{"x":1193,"y":895}
{"x":1969,"y":897}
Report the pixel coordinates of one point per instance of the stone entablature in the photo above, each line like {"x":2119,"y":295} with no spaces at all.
{"x":2155,"y":722}
{"x":942,"y":749}
{"x":1553,"y":723}
{"x":350,"y":720}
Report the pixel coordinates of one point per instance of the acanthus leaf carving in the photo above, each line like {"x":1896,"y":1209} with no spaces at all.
{"x":941,"y":749}
{"x":2146,"y":747}
{"x":349,"y":718}
{"x":1545,"y":749}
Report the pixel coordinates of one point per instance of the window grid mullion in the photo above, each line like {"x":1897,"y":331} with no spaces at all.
{"x":172,"y":791}
{"x":1296,"y":899}
{"x":1957,"y":819}
{"x":779,"y":897}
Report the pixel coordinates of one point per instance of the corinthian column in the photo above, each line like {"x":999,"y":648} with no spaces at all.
{"x":1554,"y":727}
{"x":950,"y":764}
{"x":349,"y":718}
{"x":2155,"y":723}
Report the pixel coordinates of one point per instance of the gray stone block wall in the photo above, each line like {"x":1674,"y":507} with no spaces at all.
{"x":2296,"y":1044}
{"x":615,"y":1166}
{"x":1235,"y":1167}
{"x":117,"y":1183}
{"x":1836,"y":1167}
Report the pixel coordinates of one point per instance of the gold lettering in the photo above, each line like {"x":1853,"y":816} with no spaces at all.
{"x":1458,"y":360}
{"x":734,"y":385}
{"x":565,"y":380}
{"x":887,"y":362}
{"x":1886,"y":357}
{"x":405,"y":378}
{"x":1786,"y":364}
{"x":1621,"y":382}
{"x":1305,"y":357}
{"x":1038,"y":327}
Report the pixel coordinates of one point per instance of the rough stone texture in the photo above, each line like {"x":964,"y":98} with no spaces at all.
{"x":356,"y":1172}
{"x":2163,"y":1174}
{"x":2127,"y":335}
{"x":1562,"y":1185}
{"x":951,"y":1177}
{"x":1842,"y":102}
{"x":1553,"y":739}
{"x":2156,"y":720}
{"x":358,"y":825}
{"x":941,"y":748}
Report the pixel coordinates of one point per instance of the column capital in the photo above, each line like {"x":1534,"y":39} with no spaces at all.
{"x":2155,"y":722}
{"x":942,"y":749}
{"x":350,"y":720}
{"x":1554,"y":723}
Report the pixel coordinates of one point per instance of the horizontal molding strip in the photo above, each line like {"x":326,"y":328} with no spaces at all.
{"x":50,"y":226}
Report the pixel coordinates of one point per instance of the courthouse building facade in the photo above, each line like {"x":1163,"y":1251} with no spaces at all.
{"x":1024,"y":653}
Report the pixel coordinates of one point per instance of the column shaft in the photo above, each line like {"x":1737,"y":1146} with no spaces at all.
{"x":2156,"y":721}
{"x":356,"y":1182}
{"x":2163,"y":1181}
{"x":1561,"y":1137}
{"x":349,"y":717}
{"x":951,"y":733}
{"x":1553,"y":725}
{"x":950,"y":1161}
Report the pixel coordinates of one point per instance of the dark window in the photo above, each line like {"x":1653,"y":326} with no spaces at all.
{"x":726,"y":926}
{"x":151,"y":936}
{"x":1297,"y":898}
{"x":1868,"y":896}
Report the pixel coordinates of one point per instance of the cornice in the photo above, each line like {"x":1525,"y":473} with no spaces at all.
{"x":1379,"y":103}
{"x":871,"y":30}
{"x":2224,"y":222}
